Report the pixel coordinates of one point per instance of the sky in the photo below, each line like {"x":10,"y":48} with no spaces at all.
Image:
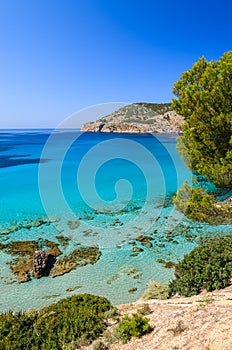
{"x":60,"y":56}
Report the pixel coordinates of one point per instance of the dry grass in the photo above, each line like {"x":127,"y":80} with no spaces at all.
{"x":202,"y":322}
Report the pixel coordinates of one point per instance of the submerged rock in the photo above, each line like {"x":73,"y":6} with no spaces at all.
{"x":72,"y":289}
{"x":166,"y":264}
{"x":137,"y":249}
{"x":29,"y":259}
{"x":28,"y":224}
{"x":64,"y":241}
{"x":79,"y":257}
{"x":7,"y":231}
{"x":47,"y":297}
{"x":145,"y":240}
{"x":20,"y":247}
{"x":88,"y":217}
{"x":54,"y":249}
{"x":161,"y":245}
{"x":132,"y":271}
{"x":142,"y":238}
{"x":22,"y":268}
{"x":147,"y":244}
{"x":73,"y":225}
{"x":39,"y":222}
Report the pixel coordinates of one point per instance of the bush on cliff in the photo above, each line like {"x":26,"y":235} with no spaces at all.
{"x":208,"y":266}
{"x":134,"y":326}
{"x":199,"y":205}
{"x":64,"y":325}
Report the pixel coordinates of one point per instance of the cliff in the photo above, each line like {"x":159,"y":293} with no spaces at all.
{"x":139,"y":118}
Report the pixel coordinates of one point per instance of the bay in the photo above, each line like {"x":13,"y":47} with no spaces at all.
{"x":99,"y":189}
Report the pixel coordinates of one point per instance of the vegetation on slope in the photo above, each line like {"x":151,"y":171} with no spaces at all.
{"x":158,"y":108}
{"x":138,"y":118}
{"x":66,"y":324}
{"x":134,"y":326}
{"x":208,"y":266}
{"x":199,"y":205}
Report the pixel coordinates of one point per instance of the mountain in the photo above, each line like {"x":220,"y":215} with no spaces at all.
{"x":139,"y":118}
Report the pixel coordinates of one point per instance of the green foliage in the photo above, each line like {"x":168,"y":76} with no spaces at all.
{"x":156,"y":291}
{"x":208,"y":266}
{"x":99,"y":345}
{"x":205,"y":101}
{"x":144,"y":310}
{"x":75,"y":320}
{"x":112,"y":313}
{"x":108,"y":337}
{"x":199,"y":205}
{"x":159,"y":108}
{"x":134,"y":326}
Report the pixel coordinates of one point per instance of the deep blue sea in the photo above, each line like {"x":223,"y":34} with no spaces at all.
{"x":112,"y":188}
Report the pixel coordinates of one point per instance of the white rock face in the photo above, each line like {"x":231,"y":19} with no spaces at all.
{"x":139,"y":118}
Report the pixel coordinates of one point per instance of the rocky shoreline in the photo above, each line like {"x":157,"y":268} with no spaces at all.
{"x":138,"y":118}
{"x":42,"y":257}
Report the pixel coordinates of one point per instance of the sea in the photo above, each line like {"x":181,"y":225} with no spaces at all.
{"x":96,"y":189}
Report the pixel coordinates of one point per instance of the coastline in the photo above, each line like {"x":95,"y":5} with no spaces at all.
{"x":138,"y":118}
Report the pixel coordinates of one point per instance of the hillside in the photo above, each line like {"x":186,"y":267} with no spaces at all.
{"x":199,"y":322}
{"x":138,"y":118}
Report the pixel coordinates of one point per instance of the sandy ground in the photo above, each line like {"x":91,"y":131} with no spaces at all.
{"x":205,"y":323}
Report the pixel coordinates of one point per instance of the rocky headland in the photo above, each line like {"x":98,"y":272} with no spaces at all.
{"x":139,"y":118}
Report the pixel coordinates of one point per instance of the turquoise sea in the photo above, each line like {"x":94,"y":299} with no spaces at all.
{"x":96,"y":189}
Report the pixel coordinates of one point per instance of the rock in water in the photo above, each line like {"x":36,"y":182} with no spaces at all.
{"x":40,"y":261}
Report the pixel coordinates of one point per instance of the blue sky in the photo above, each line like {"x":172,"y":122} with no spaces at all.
{"x":58,"y":56}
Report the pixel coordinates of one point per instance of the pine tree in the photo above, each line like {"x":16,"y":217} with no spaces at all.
{"x":204,"y":99}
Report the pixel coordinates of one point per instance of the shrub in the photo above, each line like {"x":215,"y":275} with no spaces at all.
{"x":108,"y":337}
{"x":156,"y":291}
{"x":178,"y":329}
{"x":113,"y":314}
{"x":199,"y":205}
{"x":99,"y":345}
{"x":78,"y":319}
{"x":208,"y":266}
{"x":145,"y":310}
{"x":134,"y":326}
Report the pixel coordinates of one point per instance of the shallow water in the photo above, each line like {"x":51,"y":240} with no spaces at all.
{"x":102,"y":189}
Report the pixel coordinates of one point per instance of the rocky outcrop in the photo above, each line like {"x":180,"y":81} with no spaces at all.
{"x":79,"y":257}
{"x":139,"y":118}
{"x":28,"y":224}
{"x":22,"y":268}
{"x":40,"y":261}
{"x":30,"y":260}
